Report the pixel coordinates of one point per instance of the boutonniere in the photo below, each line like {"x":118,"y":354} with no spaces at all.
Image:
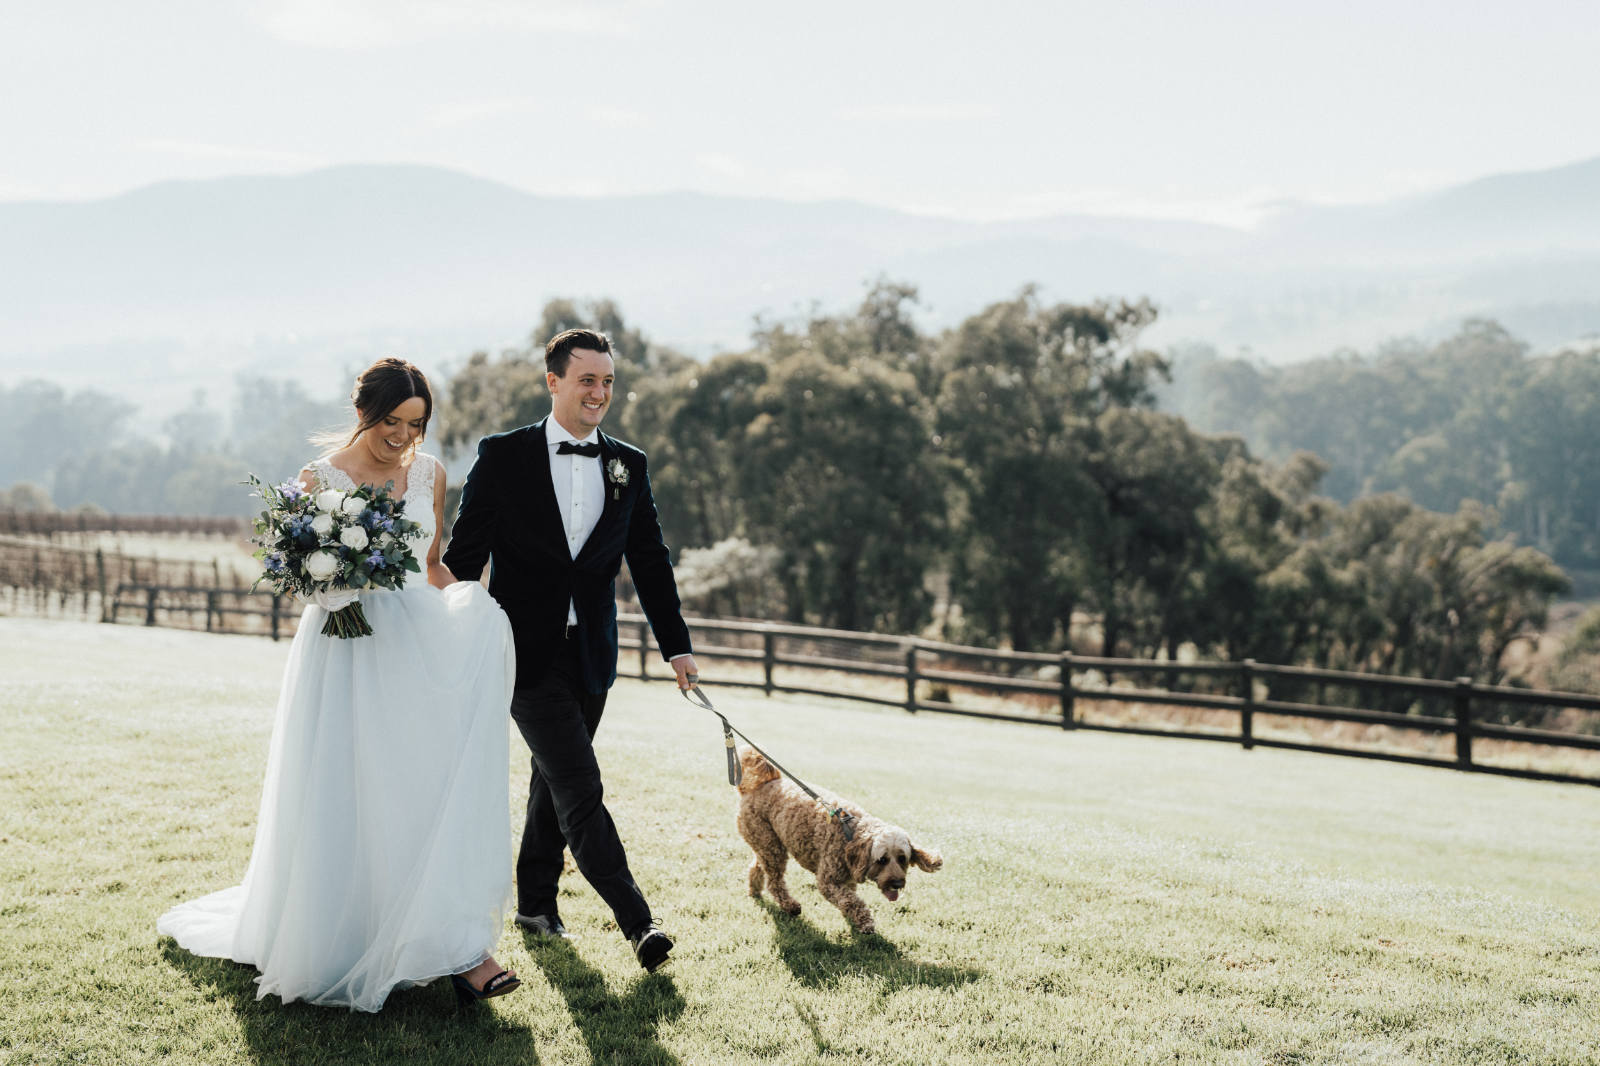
{"x":617,"y":474}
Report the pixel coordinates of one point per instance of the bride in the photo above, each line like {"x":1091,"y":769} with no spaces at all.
{"x":382,"y":854}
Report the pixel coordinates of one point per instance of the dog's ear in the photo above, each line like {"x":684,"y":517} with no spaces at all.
{"x":926,"y":860}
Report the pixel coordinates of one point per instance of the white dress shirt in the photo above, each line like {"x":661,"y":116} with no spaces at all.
{"x":580,"y":491}
{"x":580,"y":495}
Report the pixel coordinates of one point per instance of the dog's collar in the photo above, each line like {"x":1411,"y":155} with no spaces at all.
{"x":846,"y":820}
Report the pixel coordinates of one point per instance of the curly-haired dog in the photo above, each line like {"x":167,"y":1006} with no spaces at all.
{"x":778,"y":820}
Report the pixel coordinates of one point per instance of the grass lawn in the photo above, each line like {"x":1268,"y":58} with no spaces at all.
{"x":1105,"y":899}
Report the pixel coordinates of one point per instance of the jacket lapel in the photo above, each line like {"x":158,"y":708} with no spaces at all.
{"x":544,"y":490}
{"x":612,"y":508}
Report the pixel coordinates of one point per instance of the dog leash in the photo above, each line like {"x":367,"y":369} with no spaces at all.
{"x":695,"y":695}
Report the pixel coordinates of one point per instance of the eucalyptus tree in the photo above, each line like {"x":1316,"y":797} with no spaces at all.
{"x":1022,"y":387}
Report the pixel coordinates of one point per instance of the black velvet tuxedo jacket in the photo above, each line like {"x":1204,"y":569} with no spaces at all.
{"x":509,"y":511}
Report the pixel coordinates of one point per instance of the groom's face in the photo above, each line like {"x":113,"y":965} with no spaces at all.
{"x":579,"y":398}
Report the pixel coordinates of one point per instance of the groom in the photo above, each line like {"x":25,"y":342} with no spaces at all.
{"x":559,"y":505}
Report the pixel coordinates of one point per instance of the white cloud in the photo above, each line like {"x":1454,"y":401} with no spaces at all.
{"x":615,"y":117}
{"x":360,"y":25}
{"x":463,"y":112}
{"x":229,"y":152}
{"x":914,"y":113}
{"x":725,"y":166}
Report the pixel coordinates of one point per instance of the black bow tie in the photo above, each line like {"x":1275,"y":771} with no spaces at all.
{"x":571,"y":447}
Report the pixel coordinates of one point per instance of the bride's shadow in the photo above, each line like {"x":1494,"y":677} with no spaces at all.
{"x":615,"y":1028}
{"x":416,"y":1024}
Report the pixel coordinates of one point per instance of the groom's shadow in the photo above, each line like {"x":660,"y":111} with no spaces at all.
{"x":416,"y":1024}
{"x":820,"y":961}
{"x":615,"y":1028}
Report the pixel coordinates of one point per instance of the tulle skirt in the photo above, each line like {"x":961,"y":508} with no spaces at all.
{"x":382,"y":855}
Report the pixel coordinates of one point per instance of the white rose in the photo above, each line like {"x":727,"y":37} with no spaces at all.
{"x":322,"y":565}
{"x":385,"y":539}
{"x":353,"y":537}
{"x":354,"y":505}
{"x":330,"y":501}
{"x":322,"y":525}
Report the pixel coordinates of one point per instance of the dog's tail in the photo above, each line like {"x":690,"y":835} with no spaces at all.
{"x":757,"y":770}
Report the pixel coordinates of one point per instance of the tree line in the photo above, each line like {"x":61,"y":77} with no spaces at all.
{"x":1472,"y":416}
{"x":1012,"y":481}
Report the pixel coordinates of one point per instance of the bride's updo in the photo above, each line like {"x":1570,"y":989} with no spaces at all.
{"x":379,"y":389}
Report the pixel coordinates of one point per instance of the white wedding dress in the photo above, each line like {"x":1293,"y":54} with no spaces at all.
{"x":382,"y":855}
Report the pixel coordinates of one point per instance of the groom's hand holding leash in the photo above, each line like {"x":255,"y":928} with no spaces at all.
{"x":688,"y":673}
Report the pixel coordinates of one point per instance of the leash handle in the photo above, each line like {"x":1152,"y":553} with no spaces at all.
{"x":700,"y":699}
{"x":735,"y":771}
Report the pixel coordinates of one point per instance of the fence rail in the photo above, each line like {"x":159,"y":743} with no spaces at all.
{"x":36,"y":523}
{"x":921,"y":676}
{"x":917,"y":665}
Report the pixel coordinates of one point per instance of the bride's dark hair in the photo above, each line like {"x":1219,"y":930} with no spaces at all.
{"x":379,"y":389}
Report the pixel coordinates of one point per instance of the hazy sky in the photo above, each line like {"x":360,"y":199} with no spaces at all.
{"x":979,"y":110}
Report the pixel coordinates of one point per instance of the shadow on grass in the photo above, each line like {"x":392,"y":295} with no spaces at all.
{"x":615,"y":1028}
{"x":819,"y":961}
{"x":416,"y":1025}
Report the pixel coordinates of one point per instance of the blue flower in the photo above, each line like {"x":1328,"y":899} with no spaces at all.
{"x":291,"y":490}
{"x":275,"y":563}
{"x":388,"y":525}
{"x":375,"y":560}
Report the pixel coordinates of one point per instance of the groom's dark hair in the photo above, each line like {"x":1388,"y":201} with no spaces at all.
{"x":558,"y":353}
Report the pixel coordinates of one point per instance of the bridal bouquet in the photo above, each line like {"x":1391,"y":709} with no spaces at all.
{"x":329,"y":545}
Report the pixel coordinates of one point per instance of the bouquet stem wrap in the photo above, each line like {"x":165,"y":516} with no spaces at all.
{"x":347,"y":622}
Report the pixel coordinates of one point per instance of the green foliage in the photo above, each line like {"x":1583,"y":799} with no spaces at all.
{"x":1470,"y":418}
{"x":1028,"y":409}
{"x":195,"y":471}
{"x":847,"y":467}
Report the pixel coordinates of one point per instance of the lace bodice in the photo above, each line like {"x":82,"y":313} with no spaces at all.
{"x":418,"y":496}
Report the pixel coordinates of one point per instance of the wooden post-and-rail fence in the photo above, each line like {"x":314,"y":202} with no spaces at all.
{"x":1243,"y":688}
{"x":918,"y":675}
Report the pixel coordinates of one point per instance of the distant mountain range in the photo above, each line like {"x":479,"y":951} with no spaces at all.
{"x":183,"y":284}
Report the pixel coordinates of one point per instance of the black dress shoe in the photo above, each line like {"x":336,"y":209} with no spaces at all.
{"x":651,"y":946}
{"x":543,"y":926}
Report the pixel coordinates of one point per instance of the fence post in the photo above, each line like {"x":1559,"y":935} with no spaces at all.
{"x":211,"y":609}
{"x":1247,"y":712}
{"x":1463,"y":701}
{"x":277,"y":611}
{"x":769,"y":658}
{"x":911,"y":677}
{"x":100,"y":581}
{"x":1069,"y":712}
{"x":644,"y":650}
{"x":150,"y":607}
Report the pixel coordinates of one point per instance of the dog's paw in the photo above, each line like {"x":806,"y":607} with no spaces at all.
{"x":792,"y":907}
{"x":867,"y":928}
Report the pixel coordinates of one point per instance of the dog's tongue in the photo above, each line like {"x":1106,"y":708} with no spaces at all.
{"x":891,"y":894}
